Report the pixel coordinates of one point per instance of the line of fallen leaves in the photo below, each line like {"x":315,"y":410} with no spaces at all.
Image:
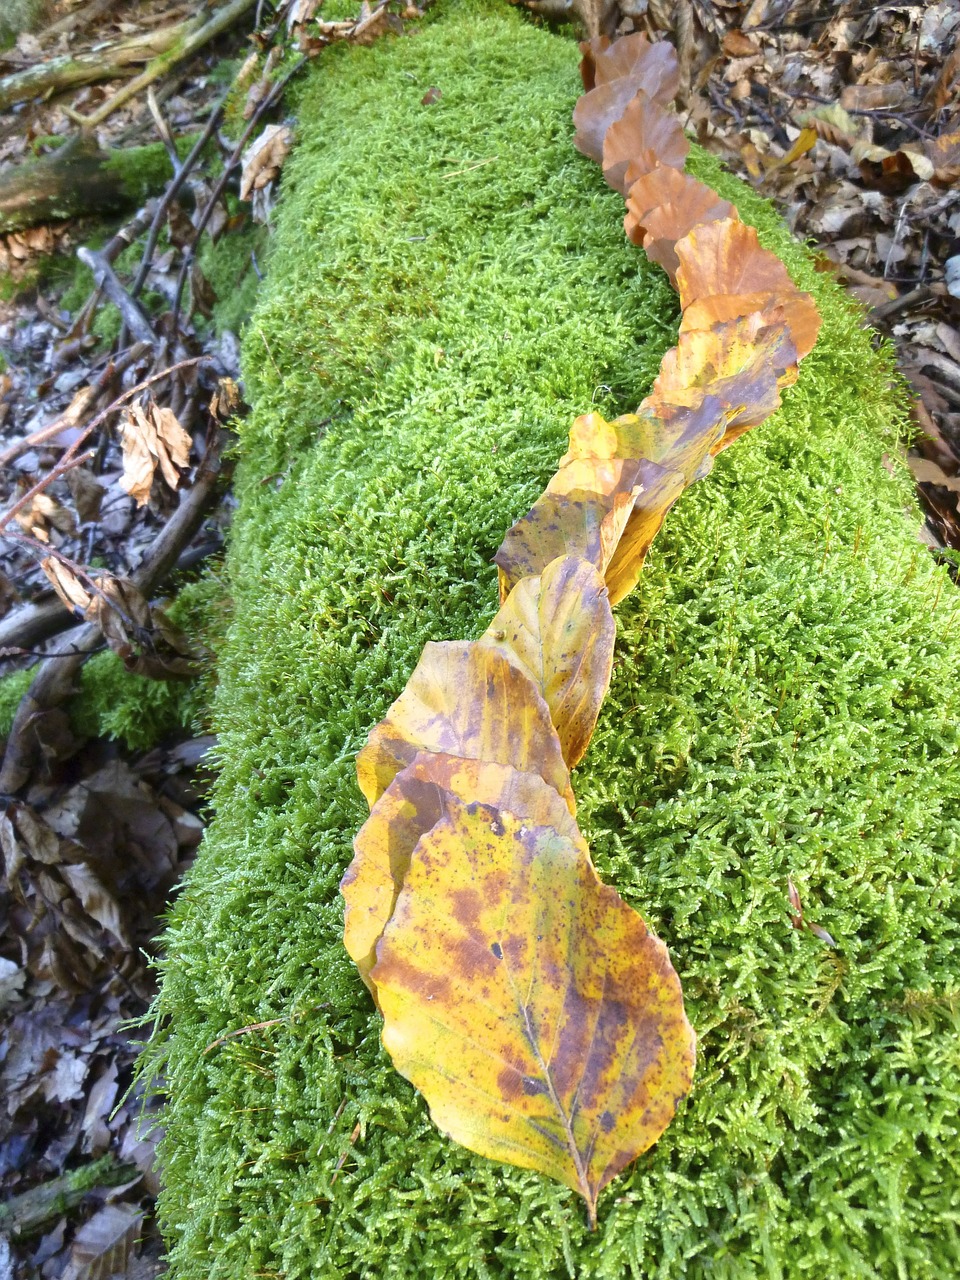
{"x":532,"y":1007}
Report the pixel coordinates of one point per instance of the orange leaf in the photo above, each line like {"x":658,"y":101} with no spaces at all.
{"x":725,"y":273}
{"x":660,"y":492}
{"x":467,"y":700}
{"x":559,"y":630}
{"x":646,"y":136}
{"x":642,"y":66}
{"x":413,"y":804}
{"x":529,"y":1004}
{"x":663,"y":206}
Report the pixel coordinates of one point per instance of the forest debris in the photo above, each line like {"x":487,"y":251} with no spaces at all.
{"x":262,"y":162}
{"x":151,"y":440}
{"x":104,"y":1245}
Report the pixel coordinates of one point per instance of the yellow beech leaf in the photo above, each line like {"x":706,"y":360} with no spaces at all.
{"x":741,"y":363}
{"x":677,"y":436}
{"x":412,"y":805}
{"x":558,"y":628}
{"x":465,"y":699}
{"x":529,"y":1004}
{"x":796,"y":310}
{"x":660,"y":492}
{"x":586,"y":521}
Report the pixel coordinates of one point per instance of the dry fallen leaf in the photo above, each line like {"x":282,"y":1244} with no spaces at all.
{"x":583,"y":513}
{"x":151,"y":439}
{"x":651,"y":68}
{"x":467,"y":700}
{"x":645,"y":137}
{"x":263,"y":159}
{"x":559,"y":630}
{"x":663,"y":206}
{"x":415,"y":801}
{"x":528,"y":1003}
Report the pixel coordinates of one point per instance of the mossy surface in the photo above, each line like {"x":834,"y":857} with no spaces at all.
{"x":450,"y":287}
{"x":139,"y":712}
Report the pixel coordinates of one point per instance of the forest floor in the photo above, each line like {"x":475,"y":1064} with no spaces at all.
{"x":119,"y":378}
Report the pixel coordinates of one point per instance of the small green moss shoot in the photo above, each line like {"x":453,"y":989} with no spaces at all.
{"x":449,"y":288}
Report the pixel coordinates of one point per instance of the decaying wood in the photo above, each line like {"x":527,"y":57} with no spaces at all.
{"x":77,"y":178}
{"x":54,"y":681}
{"x":27,"y":1214}
{"x":70,"y":71}
{"x":135,"y":319}
{"x":194,"y":38}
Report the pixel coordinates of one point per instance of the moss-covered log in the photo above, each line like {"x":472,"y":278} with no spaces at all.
{"x":450,"y":287}
{"x":80,"y":178}
{"x":70,"y":71}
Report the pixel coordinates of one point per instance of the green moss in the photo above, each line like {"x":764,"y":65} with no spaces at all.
{"x":228,"y":265}
{"x":18,"y":16}
{"x":12,"y":689}
{"x":146,"y":170}
{"x":449,"y":287}
{"x":140,"y":713}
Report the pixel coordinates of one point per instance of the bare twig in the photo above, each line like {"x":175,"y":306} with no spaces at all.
{"x":63,"y":466}
{"x":173,"y":188}
{"x":41,"y":436}
{"x":221,"y":20}
{"x":135,"y":319}
{"x":268,"y":103}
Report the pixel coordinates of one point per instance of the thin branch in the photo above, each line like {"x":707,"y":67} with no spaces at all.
{"x":269,"y":102}
{"x":63,"y":466}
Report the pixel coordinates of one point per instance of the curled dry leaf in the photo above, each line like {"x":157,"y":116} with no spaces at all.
{"x":559,"y":630}
{"x":467,"y":700}
{"x":653,"y":67}
{"x":415,"y":801}
{"x":663,"y":206}
{"x":742,"y":363}
{"x":583,"y":513}
{"x":724,"y":273}
{"x":528,"y":1003}
{"x":646,"y":137}
{"x":263,"y":159}
{"x":597,"y":110}
{"x":41,"y":514}
{"x":151,"y":439}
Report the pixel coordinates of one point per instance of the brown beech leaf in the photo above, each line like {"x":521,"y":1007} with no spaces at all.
{"x":413,"y":804}
{"x":465,"y":699}
{"x":646,"y":136}
{"x":529,"y":1004}
{"x":653,"y":66}
{"x":724,"y":273}
{"x":150,"y":440}
{"x":583,"y":513}
{"x":653,"y":70}
{"x":263,"y":159}
{"x":591,"y":49}
{"x":559,"y":630}
{"x":663,"y":206}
